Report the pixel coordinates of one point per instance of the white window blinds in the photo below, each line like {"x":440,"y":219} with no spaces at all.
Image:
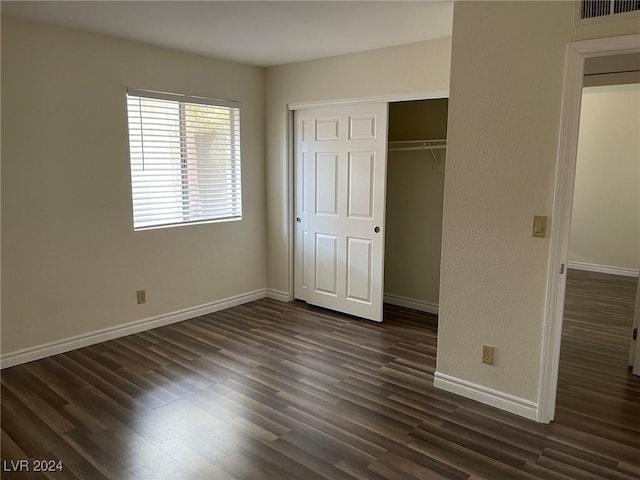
{"x":185,"y":159}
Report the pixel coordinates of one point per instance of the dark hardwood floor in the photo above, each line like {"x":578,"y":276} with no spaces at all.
{"x":287,"y":391}
{"x":596,"y":390}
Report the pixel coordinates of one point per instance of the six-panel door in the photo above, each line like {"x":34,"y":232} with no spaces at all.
{"x":340,"y":197}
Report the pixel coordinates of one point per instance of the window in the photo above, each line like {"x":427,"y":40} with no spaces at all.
{"x":185,"y":159}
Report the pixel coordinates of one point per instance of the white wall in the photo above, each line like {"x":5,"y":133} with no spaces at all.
{"x":407,"y":69}
{"x":415,"y":191}
{"x":71,"y":262}
{"x":504,"y":112}
{"x":605,"y":223}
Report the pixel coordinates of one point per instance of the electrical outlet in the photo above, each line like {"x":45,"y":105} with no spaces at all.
{"x":488,"y":354}
{"x":142,"y":296}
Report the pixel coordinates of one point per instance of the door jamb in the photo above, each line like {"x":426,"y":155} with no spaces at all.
{"x":290,"y":194}
{"x":576,"y":53}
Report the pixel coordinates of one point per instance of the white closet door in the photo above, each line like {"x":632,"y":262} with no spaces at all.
{"x":341,"y":155}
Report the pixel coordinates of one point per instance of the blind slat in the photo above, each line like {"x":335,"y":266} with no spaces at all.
{"x":185,"y":212}
{"x":176,"y":198}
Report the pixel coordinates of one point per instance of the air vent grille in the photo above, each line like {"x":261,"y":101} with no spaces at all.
{"x":603,"y":8}
{"x":624,"y":6}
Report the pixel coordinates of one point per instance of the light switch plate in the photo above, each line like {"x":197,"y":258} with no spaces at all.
{"x":539,"y":226}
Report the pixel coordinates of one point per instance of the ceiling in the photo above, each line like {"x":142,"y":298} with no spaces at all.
{"x":263,"y":33}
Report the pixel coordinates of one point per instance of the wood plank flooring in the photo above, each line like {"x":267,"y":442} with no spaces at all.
{"x":275,"y":391}
{"x":595,"y":388}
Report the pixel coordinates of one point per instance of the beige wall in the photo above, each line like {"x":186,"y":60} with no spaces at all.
{"x":605,"y":222}
{"x":504,"y":112}
{"x":415,"y":190}
{"x":71,"y":263}
{"x":417,"y":67}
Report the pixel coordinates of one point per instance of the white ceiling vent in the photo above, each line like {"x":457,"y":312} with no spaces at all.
{"x":605,"y":8}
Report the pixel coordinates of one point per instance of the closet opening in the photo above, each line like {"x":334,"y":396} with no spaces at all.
{"x":566,"y":378}
{"x":368,"y":196}
{"x":416,"y":158}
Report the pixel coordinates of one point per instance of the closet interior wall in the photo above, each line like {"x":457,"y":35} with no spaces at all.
{"x":415,"y":189}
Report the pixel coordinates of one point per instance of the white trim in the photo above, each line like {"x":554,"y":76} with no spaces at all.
{"x":600,"y":47}
{"x":290,"y":228}
{"x":278,"y":295}
{"x":576,"y":52}
{"x":592,"y":267}
{"x":488,"y":396}
{"x":398,"y":97}
{"x":412,"y":303}
{"x":84,"y":340}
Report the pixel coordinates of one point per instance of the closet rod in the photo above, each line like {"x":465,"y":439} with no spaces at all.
{"x":418,"y":148}
{"x":413,"y":145}
{"x":442,"y":140}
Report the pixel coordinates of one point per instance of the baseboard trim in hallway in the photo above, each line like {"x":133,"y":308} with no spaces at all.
{"x":592,"y":267}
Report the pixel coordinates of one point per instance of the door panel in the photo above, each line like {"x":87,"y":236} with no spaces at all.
{"x":340,"y":198}
{"x":360,"y":188}
{"x":327,"y":129}
{"x":362,"y":128}
{"x":326,"y":184}
{"x":326,"y":264}
{"x":359,"y":272}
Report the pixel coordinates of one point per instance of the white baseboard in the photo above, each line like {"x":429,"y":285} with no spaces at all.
{"x":278,"y":295}
{"x":53,"y":348}
{"x":488,"y":396}
{"x":411,"y":303}
{"x":592,"y":267}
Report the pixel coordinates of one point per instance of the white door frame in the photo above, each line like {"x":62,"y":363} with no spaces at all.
{"x":576,"y":53}
{"x":634,"y":354}
{"x":290,"y":194}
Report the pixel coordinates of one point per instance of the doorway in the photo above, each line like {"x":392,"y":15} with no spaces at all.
{"x":343,"y":182}
{"x":603,"y":257}
{"x":576,"y":54}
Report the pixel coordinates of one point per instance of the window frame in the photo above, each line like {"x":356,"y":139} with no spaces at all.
{"x":235,"y":157}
